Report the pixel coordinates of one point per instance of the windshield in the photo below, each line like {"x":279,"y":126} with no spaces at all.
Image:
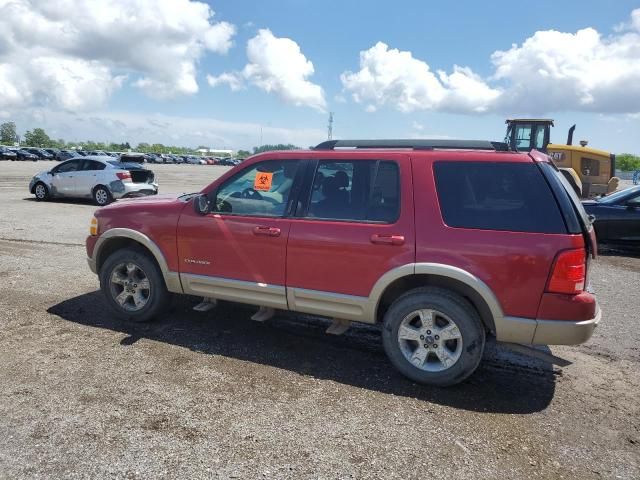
{"x":615,"y":196}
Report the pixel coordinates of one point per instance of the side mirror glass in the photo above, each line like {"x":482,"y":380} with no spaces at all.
{"x":201,"y":204}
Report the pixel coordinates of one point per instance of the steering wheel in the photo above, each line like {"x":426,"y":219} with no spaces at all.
{"x":251,"y":194}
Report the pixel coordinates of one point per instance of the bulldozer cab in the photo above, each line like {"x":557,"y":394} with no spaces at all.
{"x":525,"y":134}
{"x":588,"y":170}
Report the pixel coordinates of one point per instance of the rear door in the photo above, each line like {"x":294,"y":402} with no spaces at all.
{"x":87,"y":177}
{"x":354,"y":223}
{"x":64,"y":178}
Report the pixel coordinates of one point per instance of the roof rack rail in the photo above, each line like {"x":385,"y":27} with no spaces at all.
{"x":447,"y":144}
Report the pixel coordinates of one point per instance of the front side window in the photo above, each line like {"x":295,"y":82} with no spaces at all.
{"x":260,"y":190}
{"x":497,"y":196}
{"x":364,"y":190}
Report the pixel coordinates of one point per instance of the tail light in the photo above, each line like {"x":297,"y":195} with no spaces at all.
{"x":569,"y":272}
{"x":124,"y":175}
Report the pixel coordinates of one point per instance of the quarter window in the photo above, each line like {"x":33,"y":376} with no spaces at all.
{"x":260,"y":190}
{"x":365,"y":190}
{"x":497,"y":196}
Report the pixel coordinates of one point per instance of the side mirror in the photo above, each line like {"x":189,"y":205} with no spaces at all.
{"x":201,"y":204}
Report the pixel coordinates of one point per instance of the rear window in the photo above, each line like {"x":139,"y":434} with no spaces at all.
{"x":497,"y":196}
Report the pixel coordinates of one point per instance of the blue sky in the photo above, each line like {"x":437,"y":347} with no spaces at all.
{"x":331,"y":35}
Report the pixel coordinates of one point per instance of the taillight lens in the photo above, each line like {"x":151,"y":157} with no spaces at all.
{"x":124,"y":175}
{"x":569,"y":271}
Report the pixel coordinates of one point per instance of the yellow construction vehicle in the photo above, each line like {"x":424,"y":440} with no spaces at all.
{"x":590,"y":171}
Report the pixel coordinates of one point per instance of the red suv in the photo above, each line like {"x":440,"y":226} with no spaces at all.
{"x":440,"y":242}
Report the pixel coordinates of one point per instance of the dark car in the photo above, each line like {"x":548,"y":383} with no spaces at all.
{"x":40,"y":153}
{"x":6,"y":154}
{"x":52,"y":151}
{"x":617,"y":216}
{"x":26,"y":155}
{"x":66,"y":155}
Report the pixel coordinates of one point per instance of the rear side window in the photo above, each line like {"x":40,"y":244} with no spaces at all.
{"x":90,"y":165}
{"x":362,"y":190}
{"x":497,"y":196}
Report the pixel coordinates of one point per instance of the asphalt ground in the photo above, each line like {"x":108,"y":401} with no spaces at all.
{"x":215,"y":395}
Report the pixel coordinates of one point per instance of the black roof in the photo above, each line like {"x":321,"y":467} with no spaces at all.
{"x":415,"y":144}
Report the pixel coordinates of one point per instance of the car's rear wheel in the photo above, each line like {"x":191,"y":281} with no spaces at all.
{"x":433,"y":336}
{"x":102,"y":196}
{"x":41,"y":191}
{"x":133,"y":285}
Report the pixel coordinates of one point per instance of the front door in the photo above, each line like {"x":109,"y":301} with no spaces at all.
{"x":64,"y":178}
{"x":624,"y":221}
{"x":355,"y":225}
{"x":238,"y":251}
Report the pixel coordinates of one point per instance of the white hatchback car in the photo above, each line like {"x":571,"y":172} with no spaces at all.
{"x":101,"y":178}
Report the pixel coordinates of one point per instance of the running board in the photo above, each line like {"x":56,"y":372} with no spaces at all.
{"x":206,"y":304}
{"x":263,"y":314}
{"x":535,"y":353}
{"x":338,"y":327}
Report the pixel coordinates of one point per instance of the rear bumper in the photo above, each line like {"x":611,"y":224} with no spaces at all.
{"x":127,"y":190}
{"x":546,"y":332}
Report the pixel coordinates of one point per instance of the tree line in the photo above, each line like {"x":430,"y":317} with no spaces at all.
{"x":39,"y":138}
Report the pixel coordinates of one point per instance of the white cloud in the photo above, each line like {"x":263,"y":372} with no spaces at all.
{"x":549,"y":72}
{"x":565,"y":71}
{"x":233,"y":80}
{"x":74,"y":53}
{"x":277,"y":65}
{"x":398,"y":79}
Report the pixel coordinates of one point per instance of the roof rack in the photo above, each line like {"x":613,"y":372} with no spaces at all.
{"x":415,"y":144}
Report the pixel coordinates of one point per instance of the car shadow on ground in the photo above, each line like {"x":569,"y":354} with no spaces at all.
{"x":613,"y":250}
{"x":72,"y":201}
{"x":504,"y":383}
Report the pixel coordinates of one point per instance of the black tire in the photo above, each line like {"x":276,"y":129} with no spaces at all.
{"x":157,"y":298}
{"x":102,"y":196}
{"x":41,"y":192}
{"x":455,"y":307}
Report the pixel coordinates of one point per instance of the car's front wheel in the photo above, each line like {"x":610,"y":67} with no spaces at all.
{"x":102,"y":196}
{"x":41,"y":191}
{"x":433,"y":336}
{"x":133,"y":285}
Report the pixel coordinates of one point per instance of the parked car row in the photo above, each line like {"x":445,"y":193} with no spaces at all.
{"x":34,"y":154}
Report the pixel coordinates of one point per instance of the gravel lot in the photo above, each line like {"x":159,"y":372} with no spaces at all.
{"x":214,"y":395}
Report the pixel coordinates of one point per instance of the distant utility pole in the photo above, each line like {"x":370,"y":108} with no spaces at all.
{"x":330,"y":127}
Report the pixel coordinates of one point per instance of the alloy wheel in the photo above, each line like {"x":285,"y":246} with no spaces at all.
{"x":430,"y":340}
{"x":130,"y":286}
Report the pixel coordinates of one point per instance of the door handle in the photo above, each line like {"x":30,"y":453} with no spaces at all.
{"x":267,"y":231}
{"x":387,"y":239}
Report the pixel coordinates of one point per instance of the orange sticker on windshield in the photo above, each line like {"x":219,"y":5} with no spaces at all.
{"x":263,"y":180}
